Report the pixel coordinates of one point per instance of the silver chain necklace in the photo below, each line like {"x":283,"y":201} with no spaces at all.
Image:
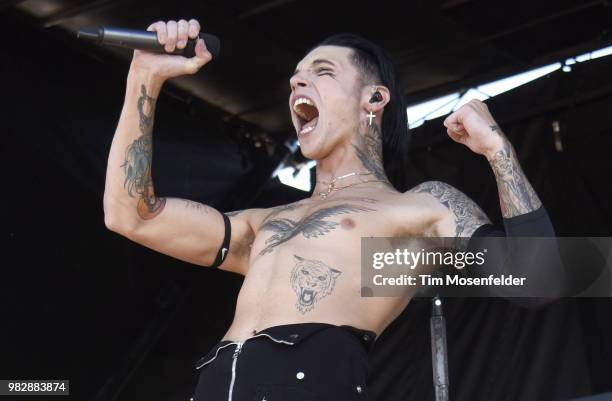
{"x":331,"y":185}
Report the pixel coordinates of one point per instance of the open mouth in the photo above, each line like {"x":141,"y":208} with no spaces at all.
{"x":307,"y":113}
{"x":307,"y":297}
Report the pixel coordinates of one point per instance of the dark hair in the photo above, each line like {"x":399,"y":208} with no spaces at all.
{"x":375,"y":65}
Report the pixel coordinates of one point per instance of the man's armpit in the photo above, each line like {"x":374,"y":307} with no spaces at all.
{"x":241,"y":242}
{"x":468,"y":216}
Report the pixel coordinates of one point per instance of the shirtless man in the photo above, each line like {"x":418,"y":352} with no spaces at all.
{"x":301,"y":328}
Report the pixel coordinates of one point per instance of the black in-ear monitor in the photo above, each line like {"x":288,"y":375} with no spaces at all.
{"x":376,"y":97}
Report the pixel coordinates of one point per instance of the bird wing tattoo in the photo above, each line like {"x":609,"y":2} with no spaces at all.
{"x":311,"y":226}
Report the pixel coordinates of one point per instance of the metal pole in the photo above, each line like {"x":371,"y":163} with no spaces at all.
{"x":439,"y":354}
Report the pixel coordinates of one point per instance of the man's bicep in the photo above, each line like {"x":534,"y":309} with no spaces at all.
{"x":462,"y":215}
{"x":189,"y":231}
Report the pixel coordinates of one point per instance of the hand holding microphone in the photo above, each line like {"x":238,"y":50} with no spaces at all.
{"x":172,"y":37}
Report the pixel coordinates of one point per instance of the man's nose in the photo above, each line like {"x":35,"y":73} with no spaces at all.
{"x":297,"y":81}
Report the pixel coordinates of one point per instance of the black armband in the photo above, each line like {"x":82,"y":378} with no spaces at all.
{"x":224,"y":250}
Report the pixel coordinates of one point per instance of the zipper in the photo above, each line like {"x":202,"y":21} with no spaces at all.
{"x":237,"y":351}
{"x":235,"y":360}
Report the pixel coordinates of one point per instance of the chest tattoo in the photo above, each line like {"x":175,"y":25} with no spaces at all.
{"x":312,"y":280}
{"x":311,"y":226}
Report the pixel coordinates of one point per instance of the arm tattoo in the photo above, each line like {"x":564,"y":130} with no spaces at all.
{"x":196,"y":206}
{"x":468,"y":216}
{"x":311,"y":226}
{"x":369,"y":151}
{"x":312,"y":280}
{"x":137,"y":164}
{"x":516,"y":195}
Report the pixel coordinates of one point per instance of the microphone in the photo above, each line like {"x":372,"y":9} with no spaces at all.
{"x":144,"y":40}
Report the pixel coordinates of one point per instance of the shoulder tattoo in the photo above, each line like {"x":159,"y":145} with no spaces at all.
{"x":468,"y":215}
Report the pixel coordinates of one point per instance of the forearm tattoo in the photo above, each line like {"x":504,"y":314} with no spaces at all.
{"x":369,"y":151}
{"x":137,"y":164}
{"x":312,"y":280}
{"x":516,"y":195}
{"x":468,"y":215}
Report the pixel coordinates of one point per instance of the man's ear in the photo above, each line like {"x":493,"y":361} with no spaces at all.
{"x":375,"y":97}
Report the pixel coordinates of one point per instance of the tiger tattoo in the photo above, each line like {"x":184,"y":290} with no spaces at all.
{"x":312,"y":280}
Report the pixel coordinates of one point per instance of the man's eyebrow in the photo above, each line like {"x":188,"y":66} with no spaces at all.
{"x":316,"y":62}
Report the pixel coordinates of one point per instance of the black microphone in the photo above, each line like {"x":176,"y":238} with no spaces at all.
{"x":145,"y":40}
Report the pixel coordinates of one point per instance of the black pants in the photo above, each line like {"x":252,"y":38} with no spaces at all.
{"x":295,"y":362}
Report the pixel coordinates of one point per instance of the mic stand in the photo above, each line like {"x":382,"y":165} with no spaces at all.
{"x":439,"y":354}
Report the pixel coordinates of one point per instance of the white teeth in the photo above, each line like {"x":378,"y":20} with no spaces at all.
{"x":299,"y":112}
{"x":306,"y":130}
{"x":301,"y":100}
